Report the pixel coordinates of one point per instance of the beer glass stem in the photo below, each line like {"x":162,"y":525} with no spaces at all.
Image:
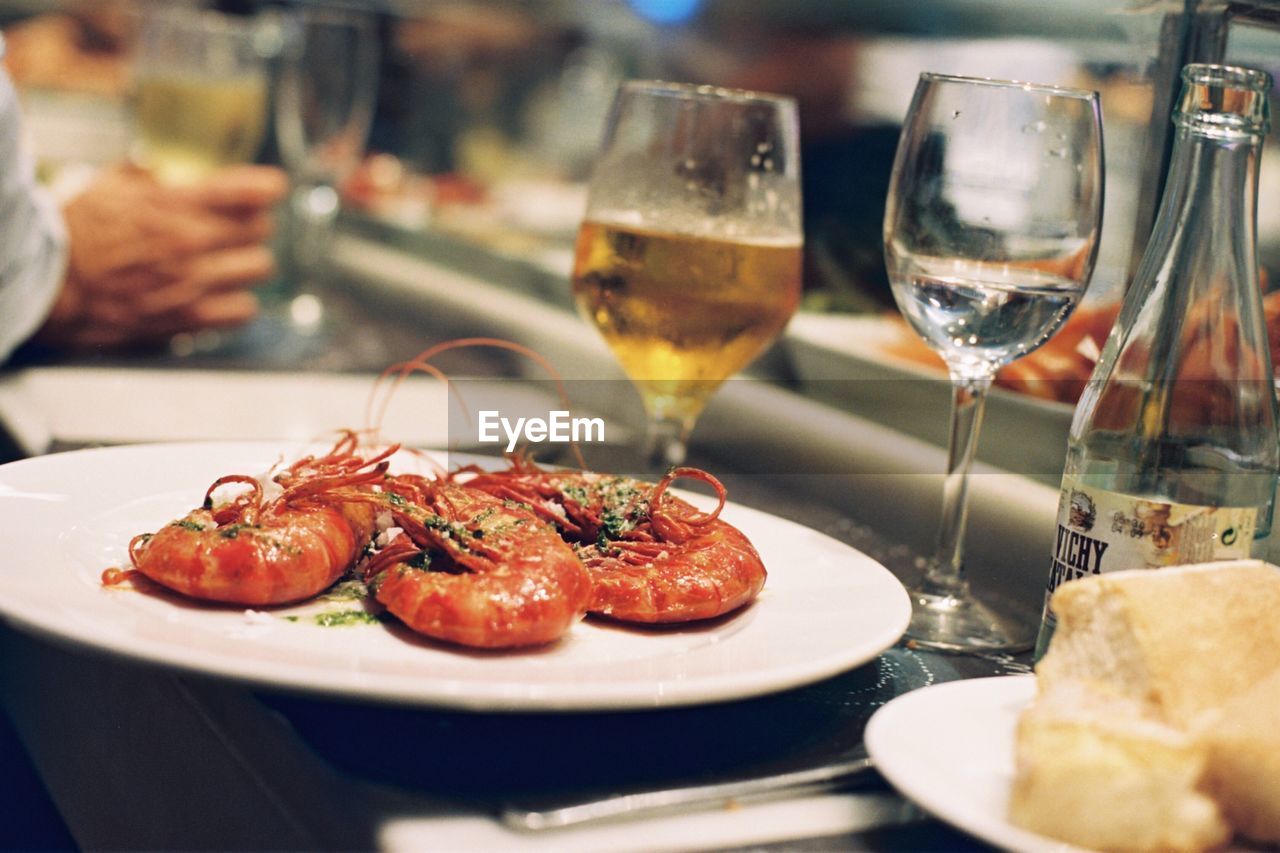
{"x":666,"y":443}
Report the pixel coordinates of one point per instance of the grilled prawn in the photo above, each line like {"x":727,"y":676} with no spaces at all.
{"x":472,"y":569}
{"x":652,"y":557}
{"x":253,"y":551}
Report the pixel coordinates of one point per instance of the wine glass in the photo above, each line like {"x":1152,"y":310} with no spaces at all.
{"x":199,"y":92}
{"x":323,"y":111}
{"x":990,"y":233}
{"x":688,"y":259}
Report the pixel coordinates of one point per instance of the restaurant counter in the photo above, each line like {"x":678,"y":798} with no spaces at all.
{"x":141,"y":756}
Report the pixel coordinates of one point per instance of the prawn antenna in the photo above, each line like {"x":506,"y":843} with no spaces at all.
{"x":421,"y":362}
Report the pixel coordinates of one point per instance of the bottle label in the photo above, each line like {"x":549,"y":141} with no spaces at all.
{"x":1101,"y":531}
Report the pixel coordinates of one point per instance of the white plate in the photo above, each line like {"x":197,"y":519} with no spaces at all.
{"x":949,"y":748}
{"x":64,"y":518}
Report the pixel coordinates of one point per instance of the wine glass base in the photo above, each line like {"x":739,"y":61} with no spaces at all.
{"x":951,"y":624}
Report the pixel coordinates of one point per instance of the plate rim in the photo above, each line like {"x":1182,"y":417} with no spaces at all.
{"x":499,"y":696}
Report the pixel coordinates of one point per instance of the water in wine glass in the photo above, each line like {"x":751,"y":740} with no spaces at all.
{"x":984,"y":315}
{"x":682,"y":313}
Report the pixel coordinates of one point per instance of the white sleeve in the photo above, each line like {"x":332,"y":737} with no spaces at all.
{"x":33,"y":236}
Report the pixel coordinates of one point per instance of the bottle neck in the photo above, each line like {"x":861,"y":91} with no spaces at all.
{"x":1211,"y":191}
{"x":1192,"y":327}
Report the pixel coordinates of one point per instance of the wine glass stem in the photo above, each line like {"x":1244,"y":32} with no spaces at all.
{"x":666,"y":442}
{"x":314,"y":208}
{"x":944,"y":574}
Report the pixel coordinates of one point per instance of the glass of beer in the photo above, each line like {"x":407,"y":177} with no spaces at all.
{"x":688,"y":260}
{"x":199,"y":93}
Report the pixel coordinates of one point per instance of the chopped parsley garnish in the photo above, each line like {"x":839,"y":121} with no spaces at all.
{"x":339,"y":618}
{"x":454,"y":530}
{"x":614,"y":523}
{"x":622,"y":506}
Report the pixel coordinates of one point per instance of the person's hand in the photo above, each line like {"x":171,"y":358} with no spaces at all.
{"x":147,"y":261}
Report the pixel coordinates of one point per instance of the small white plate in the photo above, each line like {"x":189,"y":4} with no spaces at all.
{"x":949,"y":748}
{"x":64,"y":518}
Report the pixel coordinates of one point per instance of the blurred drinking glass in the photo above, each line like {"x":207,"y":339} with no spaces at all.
{"x":688,"y":260}
{"x":324,"y":106}
{"x":200,"y":93}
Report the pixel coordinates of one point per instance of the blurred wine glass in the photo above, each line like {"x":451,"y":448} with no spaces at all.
{"x":990,"y":231}
{"x":323,"y":109}
{"x":199,"y":93}
{"x":688,"y":259}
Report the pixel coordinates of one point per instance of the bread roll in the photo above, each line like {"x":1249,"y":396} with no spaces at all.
{"x":1095,"y":771}
{"x":1181,"y":640}
{"x":1243,"y":743}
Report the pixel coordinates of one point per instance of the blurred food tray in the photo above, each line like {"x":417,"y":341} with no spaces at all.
{"x":847,"y":360}
{"x":48,"y":406}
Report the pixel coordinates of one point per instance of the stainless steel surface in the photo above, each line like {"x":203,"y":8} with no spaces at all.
{"x":1197,"y":32}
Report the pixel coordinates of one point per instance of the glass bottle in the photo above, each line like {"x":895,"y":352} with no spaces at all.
{"x":1172,"y":456}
